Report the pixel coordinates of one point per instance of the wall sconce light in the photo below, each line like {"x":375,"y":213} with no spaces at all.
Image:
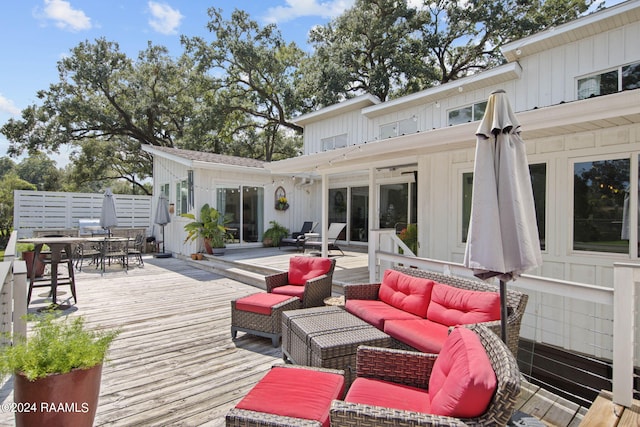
{"x":172,"y":208}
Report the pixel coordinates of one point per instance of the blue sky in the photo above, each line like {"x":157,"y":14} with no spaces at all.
{"x":37,"y":33}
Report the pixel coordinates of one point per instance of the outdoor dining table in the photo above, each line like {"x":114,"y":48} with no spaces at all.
{"x":56,"y":245}
{"x":103,"y":243}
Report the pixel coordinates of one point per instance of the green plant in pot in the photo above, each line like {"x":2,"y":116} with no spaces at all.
{"x":57,"y":371}
{"x":210,"y":227}
{"x":273,"y":234}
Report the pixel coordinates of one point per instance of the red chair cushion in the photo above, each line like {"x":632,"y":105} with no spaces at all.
{"x":298,"y":393}
{"x":421,"y":334}
{"x":408,"y":293}
{"x":260,"y":303}
{"x":303,"y":268}
{"x":369,"y":391}
{"x":376,"y":312}
{"x":290,"y":290}
{"x":462,"y":381}
{"x":454,"y":306}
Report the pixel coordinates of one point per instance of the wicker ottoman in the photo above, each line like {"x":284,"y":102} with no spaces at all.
{"x":329,"y":339}
{"x":289,"y":396}
{"x":261,"y":314}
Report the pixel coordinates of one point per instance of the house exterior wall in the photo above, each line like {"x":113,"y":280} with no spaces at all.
{"x":351,"y":123}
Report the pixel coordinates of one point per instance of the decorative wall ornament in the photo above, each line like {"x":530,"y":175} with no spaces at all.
{"x":282,"y":204}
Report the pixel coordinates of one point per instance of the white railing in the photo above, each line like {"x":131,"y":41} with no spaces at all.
{"x":593,"y":320}
{"x":13,"y":293}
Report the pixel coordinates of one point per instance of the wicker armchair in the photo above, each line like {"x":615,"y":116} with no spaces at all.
{"x":414,"y":369}
{"x":315,"y":289}
{"x":516,"y":301}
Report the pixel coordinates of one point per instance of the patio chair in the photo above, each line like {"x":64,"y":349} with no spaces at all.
{"x":332,"y":235}
{"x":473,"y":381}
{"x":308,"y":278}
{"x":297,"y":238}
{"x":135,"y":249}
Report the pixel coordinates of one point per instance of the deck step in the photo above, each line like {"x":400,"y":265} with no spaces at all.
{"x":231,"y":270}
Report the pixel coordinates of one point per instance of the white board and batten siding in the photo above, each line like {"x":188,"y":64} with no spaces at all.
{"x":58,"y":210}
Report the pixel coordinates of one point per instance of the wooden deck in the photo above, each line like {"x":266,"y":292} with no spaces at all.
{"x":175,"y":362}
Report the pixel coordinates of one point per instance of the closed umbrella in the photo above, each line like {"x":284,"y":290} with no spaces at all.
{"x":162,"y":218}
{"x":503,"y":237}
{"x":108,"y":216}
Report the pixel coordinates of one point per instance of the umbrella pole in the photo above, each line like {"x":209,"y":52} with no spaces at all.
{"x":503,"y":310}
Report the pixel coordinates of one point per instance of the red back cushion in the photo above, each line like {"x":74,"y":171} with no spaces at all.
{"x":454,"y":306}
{"x":303,"y":268}
{"x":407,"y":293}
{"x":462,"y":382}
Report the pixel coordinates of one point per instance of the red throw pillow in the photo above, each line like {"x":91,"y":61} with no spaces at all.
{"x":453,"y":306}
{"x":303,"y":268}
{"x":405,"y":292}
{"x":462,"y":382}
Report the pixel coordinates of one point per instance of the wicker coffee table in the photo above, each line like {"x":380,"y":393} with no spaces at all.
{"x":327,"y":337}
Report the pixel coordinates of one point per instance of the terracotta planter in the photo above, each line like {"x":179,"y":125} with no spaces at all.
{"x":28,"y":258}
{"x":69,"y":399}
{"x":207,"y":246}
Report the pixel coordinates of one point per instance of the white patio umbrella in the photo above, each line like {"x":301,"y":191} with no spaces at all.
{"x":108,"y":216}
{"x":162,"y":218}
{"x":503,"y":237}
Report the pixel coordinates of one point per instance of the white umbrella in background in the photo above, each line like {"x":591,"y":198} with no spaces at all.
{"x":503,"y":237}
{"x":108,"y":216}
{"x":162,"y":218}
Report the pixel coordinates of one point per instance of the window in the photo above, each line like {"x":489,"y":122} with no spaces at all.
{"x":399,"y":128}
{"x":182,"y":197}
{"x":359,"y":225}
{"x":608,"y":82}
{"x":598,"y":205}
{"x":164,"y":189}
{"x":467,"y":114}
{"x":538,"y":173}
{"x":333,"y":142}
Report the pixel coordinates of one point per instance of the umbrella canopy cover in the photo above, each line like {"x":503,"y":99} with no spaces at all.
{"x":108,"y":216}
{"x":503,"y":232}
{"x":162,"y":211}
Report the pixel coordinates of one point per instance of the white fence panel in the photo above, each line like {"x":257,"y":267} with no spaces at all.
{"x":56,"y":210}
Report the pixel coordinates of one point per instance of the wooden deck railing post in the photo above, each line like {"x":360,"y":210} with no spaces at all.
{"x":626,"y":277}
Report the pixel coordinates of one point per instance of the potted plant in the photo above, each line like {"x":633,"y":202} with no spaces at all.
{"x":57,"y":371}
{"x":28,"y":255}
{"x":211,"y":227}
{"x":273,"y":234}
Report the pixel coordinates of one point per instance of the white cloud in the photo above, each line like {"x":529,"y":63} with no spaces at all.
{"x":7,"y":106}
{"x":299,"y":8}
{"x":65,"y":16}
{"x":164,"y":19}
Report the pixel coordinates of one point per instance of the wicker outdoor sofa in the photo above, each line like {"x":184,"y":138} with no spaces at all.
{"x":516,"y":301}
{"x":414,"y":369}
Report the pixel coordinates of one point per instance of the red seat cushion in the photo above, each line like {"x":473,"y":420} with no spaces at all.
{"x":408,"y":293}
{"x":421,"y":334}
{"x":298,"y":393}
{"x":260,"y":303}
{"x":303,"y":268}
{"x":462,"y":381}
{"x":454,"y":306}
{"x":369,"y":391}
{"x":376,"y":312}
{"x":291,"y":290}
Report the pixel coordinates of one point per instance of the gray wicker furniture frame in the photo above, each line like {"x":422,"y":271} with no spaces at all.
{"x":328,"y":338}
{"x":414,"y":369}
{"x":516,"y":301}
{"x":315,"y":290}
{"x":243,"y":418}
{"x":269,"y":326}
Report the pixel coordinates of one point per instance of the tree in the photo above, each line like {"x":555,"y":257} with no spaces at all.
{"x":8,"y":183}
{"x":40,"y":171}
{"x":256,"y":88}
{"x":107,"y":105}
{"x":369,"y":48}
{"x":6,"y":166}
{"x":464,"y":38}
